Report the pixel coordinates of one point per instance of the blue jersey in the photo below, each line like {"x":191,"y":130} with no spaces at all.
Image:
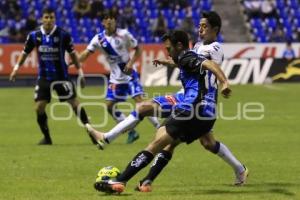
{"x":51,"y":52}
{"x":195,"y":84}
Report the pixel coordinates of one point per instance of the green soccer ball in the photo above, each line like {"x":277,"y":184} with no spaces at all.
{"x":107,"y":173}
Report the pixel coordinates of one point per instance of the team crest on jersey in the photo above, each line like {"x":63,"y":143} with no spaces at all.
{"x":104,"y":44}
{"x":38,"y":39}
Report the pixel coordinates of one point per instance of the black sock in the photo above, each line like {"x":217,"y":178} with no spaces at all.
{"x":140,"y":161}
{"x":216,"y":148}
{"x":161,"y":160}
{"x":82,"y":115}
{"x":42,"y":121}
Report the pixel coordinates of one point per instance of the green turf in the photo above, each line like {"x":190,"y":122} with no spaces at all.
{"x":67,"y":170}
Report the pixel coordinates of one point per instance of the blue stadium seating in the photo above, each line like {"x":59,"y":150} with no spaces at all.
{"x":83,"y":29}
{"x":287,"y":18}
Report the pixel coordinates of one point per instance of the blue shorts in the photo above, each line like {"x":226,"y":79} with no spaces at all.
{"x":168,"y":102}
{"x":119,"y":92}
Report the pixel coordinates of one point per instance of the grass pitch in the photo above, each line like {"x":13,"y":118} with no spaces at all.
{"x":67,"y":170}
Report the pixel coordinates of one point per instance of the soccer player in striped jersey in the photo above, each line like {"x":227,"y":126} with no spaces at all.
{"x":51,"y":43}
{"x":115,"y":44}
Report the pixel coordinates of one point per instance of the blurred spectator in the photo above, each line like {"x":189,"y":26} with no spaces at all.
{"x":268,"y":8}
{"x":115,"y":10}
{"x":97,"y":9}
{"x":31,"y":23}
{"x":10,"y":8}
{"x":127,"y":20}
{"x":82,"y":8}
{"x":278,"y":35}
{"x":253,"y":8}
{"x":289,"y":53}
{"x":164,"y":4}
{"x":159,"y":26}
{"x":17,"y":31}
{"x":181,"y":4}
{"x":188,"y":26}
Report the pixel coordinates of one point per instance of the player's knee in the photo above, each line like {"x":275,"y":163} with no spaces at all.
{"x":109,"y":107}
{"x":40,"y":108}
{"x":207,"y":144}
{"x":141,"y":109}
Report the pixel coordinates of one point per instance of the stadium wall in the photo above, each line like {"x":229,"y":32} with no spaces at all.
{"x":244,"y":63}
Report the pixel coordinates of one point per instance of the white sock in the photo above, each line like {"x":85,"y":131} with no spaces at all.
{"x":228,"y":157}
{"x":127,"y":124}
{"x":154,"y":121}
{"x":118,"y":116}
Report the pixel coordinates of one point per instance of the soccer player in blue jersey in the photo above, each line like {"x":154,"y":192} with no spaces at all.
{"x":208,"y":47}
{"x":191,"y":118}
{"x":51,"y":43}
{"x":115,"y":44}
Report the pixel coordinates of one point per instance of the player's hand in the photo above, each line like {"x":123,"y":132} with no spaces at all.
{"x":70,"y":63}
{"x":167,"y":62}
{"x":12,"y":76}
{"x":157,"y":62}
{"x":225,"y":90}
{"x":128,"y":68}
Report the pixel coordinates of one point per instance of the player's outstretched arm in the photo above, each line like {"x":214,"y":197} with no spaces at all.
{"x":216,"y":70}
{"x":164,"y":62}
{"x":75,"y":61}
{"x":21,"y":60}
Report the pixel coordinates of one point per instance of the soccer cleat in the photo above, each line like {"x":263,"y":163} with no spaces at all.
{"x":97,"y":136}
{"x":110,"y":186}
{"x":45,"y":141}
{"x":241,"y":177}
{"x":132,"y":136}
{"x":144,"y":186}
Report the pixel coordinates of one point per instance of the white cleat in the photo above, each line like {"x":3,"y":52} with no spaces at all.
{"x":97,"y":135}
{"x":241,"y":177}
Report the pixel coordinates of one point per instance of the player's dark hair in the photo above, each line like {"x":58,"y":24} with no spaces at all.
{"x":48,"y":10}
{"x":108,"y":13}
{"x":213,"y":19}
{"x":176,"y":36}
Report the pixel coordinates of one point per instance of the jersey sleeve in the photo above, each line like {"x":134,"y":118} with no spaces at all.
{"x":132,"y":42}
{"x":29,"y":44}
{"x":216,"y":53}
{"x":94,"y":44}
{"x":68,"y":43}
{"x":191,"y":61}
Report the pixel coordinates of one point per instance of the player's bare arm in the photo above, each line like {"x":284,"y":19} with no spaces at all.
{"x":129,"y":66}
{"x":75,"y":61}
{"x":21,"y":60}
{"x":216,"y":70}
{"x":164,"y":62}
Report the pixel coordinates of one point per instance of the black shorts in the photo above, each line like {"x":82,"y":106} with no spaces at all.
{"x":65,"y":90}
{"x":188,"y":130}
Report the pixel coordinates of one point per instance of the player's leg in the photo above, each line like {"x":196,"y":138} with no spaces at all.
{"x":141,"y":160}
{"x":66,"y":91}
{"x":81,"y":114}
{"x":136,"y":91}
{"x":160,"y":162}
{"x":209,"y":143}
{"x":42,"y":97}
{"x":42,"y":119}
{"x":146,"y":108}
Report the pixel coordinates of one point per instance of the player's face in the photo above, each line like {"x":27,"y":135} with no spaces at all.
{"x":48,"y":20}
{"x":206,"y":32}
{"x":109,"y":24}
{"x":172,"y":51}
